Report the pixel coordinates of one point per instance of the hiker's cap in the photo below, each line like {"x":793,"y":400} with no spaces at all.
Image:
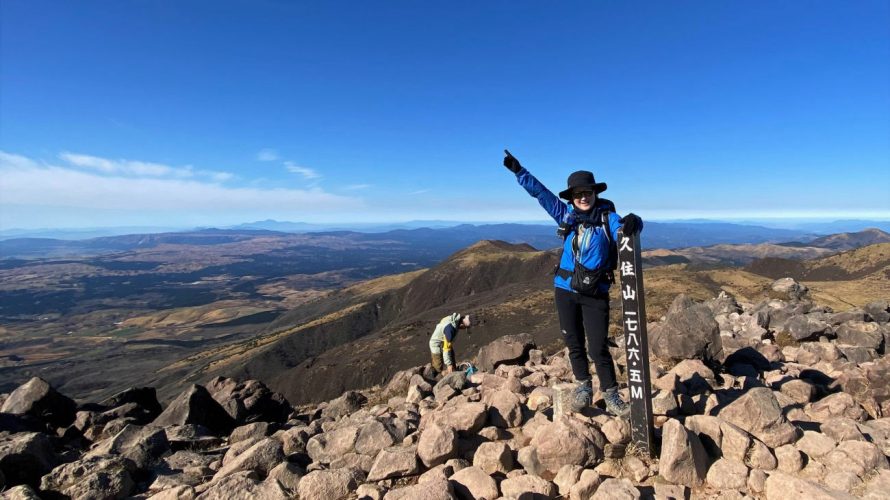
{"x":582,"y":179}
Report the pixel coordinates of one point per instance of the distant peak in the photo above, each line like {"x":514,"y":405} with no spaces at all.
{"x":492,"y":247}
{"x":499,"y":245}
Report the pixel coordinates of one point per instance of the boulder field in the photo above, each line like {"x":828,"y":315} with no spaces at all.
{"x":779,"y":399}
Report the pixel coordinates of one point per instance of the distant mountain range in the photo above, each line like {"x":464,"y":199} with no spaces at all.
{"x":302,"y":311}
{"x":754,"y":228}
{"x":441,"y":241}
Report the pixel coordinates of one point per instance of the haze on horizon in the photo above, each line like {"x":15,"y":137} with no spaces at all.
{"x":184,"y":114}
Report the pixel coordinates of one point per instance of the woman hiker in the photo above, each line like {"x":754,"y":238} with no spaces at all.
{"x":590,"y":227}
{"x":441,"y":341}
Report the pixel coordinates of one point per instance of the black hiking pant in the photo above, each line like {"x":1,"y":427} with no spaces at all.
{"x":580,"y":314}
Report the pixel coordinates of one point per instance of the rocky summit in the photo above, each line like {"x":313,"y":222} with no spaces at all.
{"x":780,"y":399}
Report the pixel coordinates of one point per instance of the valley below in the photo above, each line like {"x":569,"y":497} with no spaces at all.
{"x":314,"y":315}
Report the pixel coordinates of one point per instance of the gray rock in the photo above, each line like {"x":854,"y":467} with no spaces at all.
{"x":440,"y":472}
{"x":617,"y":430}
{"x":347,"y":403}
{"x":758,"y":413}
{"x":842,"y":429}
{"x":781,"y":486}
{"x":196,"y":406}
{"x":858,"y":457}
{"x":789,"y":459}
{"x":879,"y":311}
{"x":504,"y":409}
{"x":878,"y":486}
{"x":255,"y":431}
{"x":616,"y":489}
{"x":370,"y":491}
{"x":839,"y":404}
{"x":334,"y":484}
{"x":433,"y":490}
{"x":493,"y":458}
{"x":262,"y":457}
{"x":94,"y":477}
{"x":709,"y":432}
{"x":726,"y":474}
{"x":851,"y":315}
{"x":142,"y":445}
{"x":191,"y":437}
{"x":145,"y":399}
{"x":567,"y":476}
{"x":664,"y":403}
{"x":474,"y":483}
{"x":400,"y":381}
{"x":695,"y":376}
{"x":527,"y":457}
{"x":287,"y":475}
{"x":509,"y":349}
{"x":669,"y":491}
{"x":450,"y":385}
{"x":687,"y":333}
{"x":249,"y":401}
{"x":736,"y":442}
{"x":437,"y":444}
{"x":373,"y":437}
{"x":25,"y":457}
{"x":860,"y":333}
{"x":788,"y":288}
{"x":842,"y":480}
{"x":328,"y":446}
{"x":761,"y":457}
{"x":815,"y":444}
{"x":568,"y":442}
{"x":683,"y":458}
{"x":393,"y":463}
{"x":587,"y":484}
{"x":243,"y":485}
{"x":803,"y":327}
{"x":857,"y":354}
{"x":353,"y":461}
{"x":37,"y":399}
{"x":465,"y":418}
{"x":528,"y":487}
{"x":21,"y":492}
{"x":800,"y":391}
{"x":757,"y":481}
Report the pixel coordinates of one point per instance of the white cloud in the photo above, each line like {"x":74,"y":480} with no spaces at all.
{"x":26,"y":182}
{"x":136,"y":168}
{"x":267,"y":155}
{"x":307,"y":173}
{"x":356,"y":187}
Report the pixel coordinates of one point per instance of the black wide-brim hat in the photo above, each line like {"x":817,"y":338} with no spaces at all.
{"x":580,"y":180}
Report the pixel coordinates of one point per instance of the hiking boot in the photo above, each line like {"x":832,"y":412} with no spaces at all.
{"x":614,"y":404}
{"x":582,"y":397}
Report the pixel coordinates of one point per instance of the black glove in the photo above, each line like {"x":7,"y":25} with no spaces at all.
{"x":632,"y":224}
{"x":511,"y":163}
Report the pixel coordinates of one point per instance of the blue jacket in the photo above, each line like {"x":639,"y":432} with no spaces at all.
{"x":594,"y":245}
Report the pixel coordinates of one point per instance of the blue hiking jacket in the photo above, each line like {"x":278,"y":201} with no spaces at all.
{"x":593,"y":248}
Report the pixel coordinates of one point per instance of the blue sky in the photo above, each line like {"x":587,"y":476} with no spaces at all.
{"x":220,"y":112}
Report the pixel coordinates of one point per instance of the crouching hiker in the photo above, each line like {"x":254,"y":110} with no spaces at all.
{"x":589,"y":227}
{"x":441,"y":342}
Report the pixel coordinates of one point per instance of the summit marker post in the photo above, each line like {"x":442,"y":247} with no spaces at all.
{"x":636,"y":341}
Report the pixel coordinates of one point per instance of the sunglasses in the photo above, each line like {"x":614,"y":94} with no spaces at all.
{"x":577,"y":195}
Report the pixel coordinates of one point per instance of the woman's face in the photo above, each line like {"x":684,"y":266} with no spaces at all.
{"x":583,"y":199}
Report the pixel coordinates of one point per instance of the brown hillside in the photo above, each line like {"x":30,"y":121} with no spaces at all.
{"x":850,"y":265}
{"x":359,"y":336}
{"x":849,"y":241}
